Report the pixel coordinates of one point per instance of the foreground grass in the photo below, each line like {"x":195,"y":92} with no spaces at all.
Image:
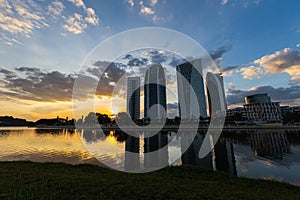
{"x":27,"y":180}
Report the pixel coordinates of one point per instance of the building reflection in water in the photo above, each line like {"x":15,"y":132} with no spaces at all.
{"x":190,"y":156}
{"x":220,"y":158}
{"x":270,"y":144}
{"x":224,"y":157}
{"x":156,"y":150}
{"x":156,"y":153}
{"x":132,"y":157}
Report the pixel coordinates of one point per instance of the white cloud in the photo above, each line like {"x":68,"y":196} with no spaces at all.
{"x":78,"y":3}
{"x":284,"y":61}
{"x":224,"y":2}
{"x":243,"y":3}
{"x":146,"y":10}
{"x":9,"y":41}
{"x":153,"y":2}
{"x":75,"y":24}
{"x":56,"y":8}
{"x":6,"y":7}
{"x":92,"y":17}
{"x":295,"y":79}
{"x":131,"y":3}
{"x":298,"y":45}
{"x":252,"y":72}
{"x":19,"y":18}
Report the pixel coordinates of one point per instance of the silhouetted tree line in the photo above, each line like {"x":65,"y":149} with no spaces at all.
{"x":55,"y":122}
{"x":11,"y":121}
{"x":97,"y":118}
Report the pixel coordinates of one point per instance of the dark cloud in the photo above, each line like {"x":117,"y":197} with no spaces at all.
{"x":157,"y":57}
{"x":289,"y":95}
{"x":217,"y":55}
{"x":172,"y":106}
{"x":7,"y":74}
{"x":128,"y":57}
{"x":227,"y":70}
{"x":132,"y":61}
{"x":37,"y":85}
{"x":29,"y":83}
{"x":137,"y":62}
{"x":108,"y":74}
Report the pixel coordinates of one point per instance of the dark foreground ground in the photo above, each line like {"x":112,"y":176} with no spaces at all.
{"x":27,"y":180}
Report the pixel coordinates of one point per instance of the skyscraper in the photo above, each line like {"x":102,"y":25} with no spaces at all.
{"x":155,"y":92}
{"x":133,"y":97}
{"x":190,"y":83}
{"x":216,"y":93}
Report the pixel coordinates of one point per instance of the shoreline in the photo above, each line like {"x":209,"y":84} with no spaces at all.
{"x":171,"y":128}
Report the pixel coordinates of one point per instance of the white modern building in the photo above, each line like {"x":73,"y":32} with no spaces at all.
{"x":133,"y":97}
{"x":191,"y":94}
{"x":216,"y":94}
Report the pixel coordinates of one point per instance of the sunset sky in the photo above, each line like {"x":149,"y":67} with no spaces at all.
{"x":255,"y":43}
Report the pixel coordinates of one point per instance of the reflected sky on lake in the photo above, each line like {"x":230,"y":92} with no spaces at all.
{"x":255,"y":154}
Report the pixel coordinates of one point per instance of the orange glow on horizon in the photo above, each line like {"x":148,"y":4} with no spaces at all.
{"x":33,"y":110}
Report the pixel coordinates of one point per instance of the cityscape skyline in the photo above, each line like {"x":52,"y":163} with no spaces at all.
{"x":200,"y":96}
{"x":256,"y":49}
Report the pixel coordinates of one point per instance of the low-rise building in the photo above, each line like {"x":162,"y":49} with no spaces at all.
{"x":259,"y":107}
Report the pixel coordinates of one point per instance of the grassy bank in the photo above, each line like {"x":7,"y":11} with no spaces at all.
{"x":27,"y":180}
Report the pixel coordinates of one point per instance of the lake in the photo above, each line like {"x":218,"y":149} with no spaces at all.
{"x":266,"y":154}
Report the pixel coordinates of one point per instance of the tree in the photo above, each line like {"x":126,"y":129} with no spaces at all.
{"x":103,"y":118}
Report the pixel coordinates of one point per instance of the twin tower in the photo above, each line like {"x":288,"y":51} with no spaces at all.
{"x":191,"y":93}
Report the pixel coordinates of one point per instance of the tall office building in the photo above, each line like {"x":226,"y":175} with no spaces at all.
{"x":216,"y":94}
{"x":133,"y":97}
{"x":155,"y":93}
{"x":189,"y":79}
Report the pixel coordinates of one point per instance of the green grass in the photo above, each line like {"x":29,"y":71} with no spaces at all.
{"x":28,"y":180}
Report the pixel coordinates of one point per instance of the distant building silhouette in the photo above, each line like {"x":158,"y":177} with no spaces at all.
{"x":289,"y":109}
{"x":155,"y":92}
{"x":260,"y":108}
{"x":216,"y":93}
{"x":133,"y":97}
{"x":190,"y":83}
{"x":236,"y":111}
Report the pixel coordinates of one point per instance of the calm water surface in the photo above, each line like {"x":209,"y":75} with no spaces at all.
{"x":267,"y":154}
